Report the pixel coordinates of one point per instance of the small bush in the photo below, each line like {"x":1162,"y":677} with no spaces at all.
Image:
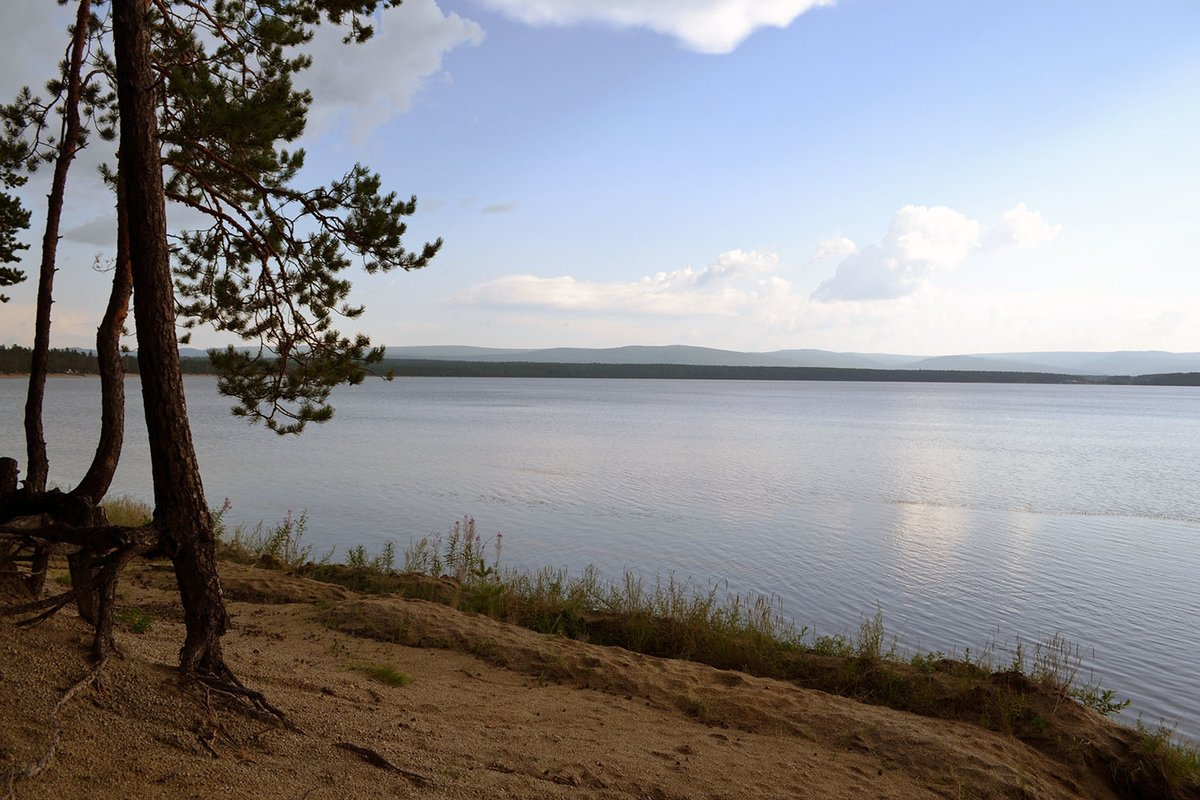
{"x":1102,"y":700}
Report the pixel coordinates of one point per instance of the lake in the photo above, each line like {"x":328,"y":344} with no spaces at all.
{"x":970,"y":514}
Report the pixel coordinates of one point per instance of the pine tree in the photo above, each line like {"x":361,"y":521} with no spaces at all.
{"x":14,"y":218}
{"x":207,"y":106}
{"x":270,"y":265}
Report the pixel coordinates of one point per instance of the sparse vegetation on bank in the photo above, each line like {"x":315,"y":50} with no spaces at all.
{"x":1032,"y":692}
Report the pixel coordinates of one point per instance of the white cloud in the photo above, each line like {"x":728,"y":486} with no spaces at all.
{"x":870,"y":274}
{"x":364,"y":85}
{"x":837,"y":246}
{"x":1023,"y":228}
{"x":734,"y":264}
{"x":922,"y":241}
{"x":708,"y":26}
{"x":725,"y":287}
{"x":358,"y":85}
{"x":937,"y":237}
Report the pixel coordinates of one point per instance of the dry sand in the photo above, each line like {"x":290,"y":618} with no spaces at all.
{"x":491,"y":711}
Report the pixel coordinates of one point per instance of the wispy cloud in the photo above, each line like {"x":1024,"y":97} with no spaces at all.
{"x":101,"y":231}
{"x":499,"y":208}
{"x":707,"y":26}
{"x":923,"y":241}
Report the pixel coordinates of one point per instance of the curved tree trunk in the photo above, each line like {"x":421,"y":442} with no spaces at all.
{"x":112,"y":373}
{"x":35,"y":438}
{"x":85,"y":577}
{"x":180,"y":510}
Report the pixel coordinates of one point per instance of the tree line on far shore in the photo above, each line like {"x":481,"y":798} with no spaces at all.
{"x":15,"y":360}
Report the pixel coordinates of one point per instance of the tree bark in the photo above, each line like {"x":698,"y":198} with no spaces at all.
{"x":8,"y":476}
{"x":38,"y":467}
{"x":180,"y":510}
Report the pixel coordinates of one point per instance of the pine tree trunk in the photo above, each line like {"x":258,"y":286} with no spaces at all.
{"x":35,"y":438}
{"x":85,"y":577}
{"x":112,"y":373}
{"x":180,"y":509}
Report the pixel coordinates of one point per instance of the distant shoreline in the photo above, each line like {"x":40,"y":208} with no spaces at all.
{"x":23,"y":375}
{"x":436,"y":368}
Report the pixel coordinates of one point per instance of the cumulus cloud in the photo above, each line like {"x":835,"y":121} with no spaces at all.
{"x":367,"y":84}
{"x":707,"y":26}
{"x":922,"y":241}
{"x":1023,"y":228}
{"x":933,"y":237}
{"x":733,"y":264}
{"x":723,"y":288}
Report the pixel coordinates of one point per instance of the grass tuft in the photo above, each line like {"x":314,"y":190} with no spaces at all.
{"x":280,"y":545}
{"x":125,"y":510}
{"x":1169,"y":764}
{"x":134,"y":619}
{"x":383,"y":673}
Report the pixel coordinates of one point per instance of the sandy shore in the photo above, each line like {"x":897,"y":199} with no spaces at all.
{"x":490,"y":711}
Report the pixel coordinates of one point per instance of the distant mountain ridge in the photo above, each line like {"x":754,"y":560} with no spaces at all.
{"x":1121,"y":362}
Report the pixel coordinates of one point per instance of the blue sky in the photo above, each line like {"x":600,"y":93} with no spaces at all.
{"x":869,"y":175}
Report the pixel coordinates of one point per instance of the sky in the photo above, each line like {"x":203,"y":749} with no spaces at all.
{"x":906,"y":176}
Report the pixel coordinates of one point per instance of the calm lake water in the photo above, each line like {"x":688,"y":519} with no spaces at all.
{"x":970,"y":514}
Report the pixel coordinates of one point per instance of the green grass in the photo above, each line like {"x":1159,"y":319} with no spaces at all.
{"x":281,"y":544}
{"x":1170,"y":765}
{"x":134,"y":619}
{"x":125,"y":510}
{"x":383,"y":673}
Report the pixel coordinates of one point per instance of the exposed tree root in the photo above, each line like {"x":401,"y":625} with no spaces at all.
{"x":12,"y":776}
{"x":247,"y":701}
{"x":376,"y":760}
{"x":55,"y":602}
{"x":59,"y":602}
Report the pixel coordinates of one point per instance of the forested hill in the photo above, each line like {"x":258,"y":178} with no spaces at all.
{"x":15,"y":361}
